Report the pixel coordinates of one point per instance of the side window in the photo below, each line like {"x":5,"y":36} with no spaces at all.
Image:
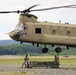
{"x":38,"y":30}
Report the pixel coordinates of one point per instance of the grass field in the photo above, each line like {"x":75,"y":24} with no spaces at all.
{"x":14,"y":74}
{"x":15,"y":61}
{"x":19,"y":59}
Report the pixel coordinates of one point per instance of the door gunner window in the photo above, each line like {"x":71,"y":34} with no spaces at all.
{"x":38,"y":30}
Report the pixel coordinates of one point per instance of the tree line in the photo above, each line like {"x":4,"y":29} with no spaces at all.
{"x":21,"y":49}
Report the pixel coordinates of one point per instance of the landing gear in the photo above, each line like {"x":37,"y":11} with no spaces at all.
{"x":45,"y":50}
{"x":58,"y":49}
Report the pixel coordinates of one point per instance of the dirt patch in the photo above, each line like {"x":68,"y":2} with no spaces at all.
{"x":16,"y":68}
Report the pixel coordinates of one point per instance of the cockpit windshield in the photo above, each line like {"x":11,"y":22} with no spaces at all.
{"x":21,"y":27}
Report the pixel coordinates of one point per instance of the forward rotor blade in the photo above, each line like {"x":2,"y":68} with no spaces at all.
{"x":5,"y":12}
{"x":67,"y":6}
{"x":24,"y":11}
{"x":28,"y":10}
{"x":32,"y":7}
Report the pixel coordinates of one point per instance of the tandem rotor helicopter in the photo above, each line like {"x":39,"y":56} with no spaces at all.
{"x":32,"y":31}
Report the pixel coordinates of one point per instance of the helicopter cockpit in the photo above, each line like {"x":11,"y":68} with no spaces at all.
{"x":21,"y":27}
{"x":20,"y":30}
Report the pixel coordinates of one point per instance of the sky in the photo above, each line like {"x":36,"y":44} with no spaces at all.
{"x":8,"y":22}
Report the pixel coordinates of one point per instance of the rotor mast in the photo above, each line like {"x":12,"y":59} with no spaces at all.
{"x":27,"y":18}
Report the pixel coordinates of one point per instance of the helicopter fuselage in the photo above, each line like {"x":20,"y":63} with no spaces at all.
{"x":32,"y":31}
{"x":49,"y":33}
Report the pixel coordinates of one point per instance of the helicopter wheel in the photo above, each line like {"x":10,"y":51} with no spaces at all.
{"x":58,"y":49}
{"x":45,"y":50}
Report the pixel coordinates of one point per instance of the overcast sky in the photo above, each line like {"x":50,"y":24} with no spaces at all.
{"x":8,"y":22}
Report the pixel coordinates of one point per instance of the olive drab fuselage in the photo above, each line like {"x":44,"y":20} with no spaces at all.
{"x":34,"y":31}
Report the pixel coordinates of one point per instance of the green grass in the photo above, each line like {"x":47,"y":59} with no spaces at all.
{"x":68,"y":61}
{"x":14,"y":74}
{"x":11,"y":61}
{"x":41,"y":58}
{"x":64,"y":60}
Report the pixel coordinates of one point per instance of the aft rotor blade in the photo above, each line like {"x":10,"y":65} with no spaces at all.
{"x":67,"y":6}
{"x":71,"y":7}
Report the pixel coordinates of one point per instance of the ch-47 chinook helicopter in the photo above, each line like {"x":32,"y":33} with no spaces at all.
{"x":30,"y":30}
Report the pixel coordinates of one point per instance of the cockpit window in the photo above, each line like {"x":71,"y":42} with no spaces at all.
{"x":22,"y":27}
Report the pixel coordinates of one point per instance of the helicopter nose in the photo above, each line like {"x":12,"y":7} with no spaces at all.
{"x":11,"y":35}
{"x":15,"y":35}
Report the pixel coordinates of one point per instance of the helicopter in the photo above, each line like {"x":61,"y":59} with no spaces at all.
{"x":30,"y":30}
